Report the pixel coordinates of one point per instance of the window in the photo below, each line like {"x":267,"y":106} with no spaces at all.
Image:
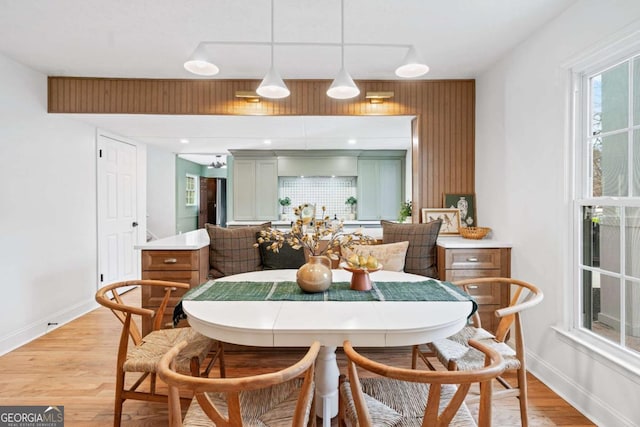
{"x":607,"y":204}
{"x":191,"y":191}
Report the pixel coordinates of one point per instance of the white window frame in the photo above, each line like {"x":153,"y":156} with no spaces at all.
{"x":607,"y":55}
{"x":195,"y":190}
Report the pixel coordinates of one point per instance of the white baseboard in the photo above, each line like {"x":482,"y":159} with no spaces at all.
{"x":41,"y":327}
{"x":599,"y":412}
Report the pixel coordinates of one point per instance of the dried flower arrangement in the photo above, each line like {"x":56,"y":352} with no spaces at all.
{"x":308,"y":234}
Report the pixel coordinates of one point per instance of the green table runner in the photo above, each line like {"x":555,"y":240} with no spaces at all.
{"x":427,"y":290}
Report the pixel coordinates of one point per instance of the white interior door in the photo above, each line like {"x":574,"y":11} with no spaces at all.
{"x":117,"y":210}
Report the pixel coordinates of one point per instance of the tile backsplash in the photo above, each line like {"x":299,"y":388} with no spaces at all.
{"x":319,"y":191}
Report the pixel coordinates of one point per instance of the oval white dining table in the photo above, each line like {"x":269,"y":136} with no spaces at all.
{"x":299,"y":323}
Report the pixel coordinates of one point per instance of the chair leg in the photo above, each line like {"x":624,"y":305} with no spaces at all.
{"x":341,"y":409}
{"x":223,"y":371}
{"x":414,"y":356}
{"x":423,"y":355}
{"x":215,"y":354}
{"x":523,"y":396}
{"x":117,"y":410}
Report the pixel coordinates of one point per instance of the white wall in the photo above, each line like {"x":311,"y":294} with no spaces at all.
{"x":47,"y":211}
{"x":161,"y":192}
{"x":522,"y":137}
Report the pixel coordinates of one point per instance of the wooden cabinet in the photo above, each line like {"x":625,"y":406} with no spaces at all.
{"x":185,"y":266}
{"x":379,"y":188}
{"x":255,"y":189}
{"x":459,"y":263}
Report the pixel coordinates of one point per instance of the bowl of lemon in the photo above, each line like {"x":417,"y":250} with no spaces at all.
{"x":360,"y":266}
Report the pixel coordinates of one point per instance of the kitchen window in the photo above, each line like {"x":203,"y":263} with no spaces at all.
{"x":607,"y":205}
{"x":191,"y":190}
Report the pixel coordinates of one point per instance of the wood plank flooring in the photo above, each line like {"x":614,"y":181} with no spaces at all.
{"x":74,"y":366}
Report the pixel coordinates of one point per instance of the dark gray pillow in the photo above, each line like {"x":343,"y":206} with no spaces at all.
{"x":286,"y":257}
{"x":231,"y":250}
{"x":421,"y":253}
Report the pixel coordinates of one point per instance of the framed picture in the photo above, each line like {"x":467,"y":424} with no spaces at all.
{"x":467,"y":205}
{"x":450,"y":219}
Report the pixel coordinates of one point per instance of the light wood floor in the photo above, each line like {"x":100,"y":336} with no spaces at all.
{"x":74,"y":366}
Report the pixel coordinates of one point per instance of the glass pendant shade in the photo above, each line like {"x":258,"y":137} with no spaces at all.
{"x":199,"y":63}
{"x":273,"y":86}
{"x":412,"y":65}
{"x":343,"y":86}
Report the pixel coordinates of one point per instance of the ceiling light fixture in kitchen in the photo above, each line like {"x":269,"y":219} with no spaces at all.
{"x":343,"y":86}
{"x":218,"y":163}
{"x":272,"y":86}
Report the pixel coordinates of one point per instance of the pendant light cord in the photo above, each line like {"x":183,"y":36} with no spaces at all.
{"x":271,"y":33}
{"x":342,"y":32}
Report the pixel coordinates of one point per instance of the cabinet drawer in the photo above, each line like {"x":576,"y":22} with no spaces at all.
{"x":190,"y":277}
{"x":170,"y":260}
{"x":151,"y":296}
{"x":483,"y":294}
{"x":472,"y":258}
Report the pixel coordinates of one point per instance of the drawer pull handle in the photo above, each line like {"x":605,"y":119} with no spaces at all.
{"x":170,"y":261}
{"x":473,"y":286}
{"x":472,"y":259}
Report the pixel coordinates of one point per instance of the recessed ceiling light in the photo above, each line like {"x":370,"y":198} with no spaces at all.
{"x":267,"y":141}
{"x":352,"y":141}
{"x":184,"y":140}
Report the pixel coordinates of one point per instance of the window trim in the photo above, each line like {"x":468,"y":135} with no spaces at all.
{"x":608,"y":54}
{"x":196,"y":189}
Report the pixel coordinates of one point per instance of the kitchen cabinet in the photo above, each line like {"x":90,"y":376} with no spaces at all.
{"x":255,"y":189}
{"x":379,"y":188}
{"x":185,"y":266}
{"x":318,"y":166}
{"x":460,"y":259}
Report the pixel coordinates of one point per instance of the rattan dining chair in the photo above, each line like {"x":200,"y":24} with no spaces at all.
{"x":143,"y":353}
{"x":456,"y":354}
{"x":280,"y":398}
{"x":409,"y":397}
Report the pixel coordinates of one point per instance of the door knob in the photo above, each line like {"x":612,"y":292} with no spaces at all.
{"x":134,"y":224}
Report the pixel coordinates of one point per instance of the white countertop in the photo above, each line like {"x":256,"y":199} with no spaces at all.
{"x":198,"y":239}
{"x":190,"y":240}
{"x":459,"y":242}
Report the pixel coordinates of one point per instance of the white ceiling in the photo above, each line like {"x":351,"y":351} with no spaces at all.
{"x":153,"y":38}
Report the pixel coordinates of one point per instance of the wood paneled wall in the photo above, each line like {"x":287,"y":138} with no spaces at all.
{"x":444,"y":129}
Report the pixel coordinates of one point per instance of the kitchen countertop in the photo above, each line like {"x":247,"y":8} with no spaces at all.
{"x":198,"y":239}
{"x":459,"y":242}
{"x":190,"y":240}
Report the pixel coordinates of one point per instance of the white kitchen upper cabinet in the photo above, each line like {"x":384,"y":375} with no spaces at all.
{"x":379,"y":188}
{"x":255,"y":189}
{"x":318,"y":166}
{"x":266,"y":189}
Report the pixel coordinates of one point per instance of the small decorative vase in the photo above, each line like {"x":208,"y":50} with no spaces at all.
{"x":315,"y":275}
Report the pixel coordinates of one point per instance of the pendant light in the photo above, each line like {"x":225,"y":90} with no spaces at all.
{"x":200,"y":63}
{"x":343,"y":86}
{"x":272,"y":85}
{"x":412,"y":65}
